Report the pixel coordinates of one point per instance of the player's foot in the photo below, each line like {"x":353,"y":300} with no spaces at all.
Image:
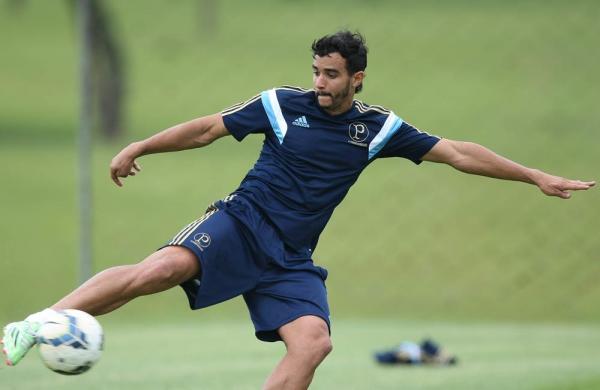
{"x":18,"y":339}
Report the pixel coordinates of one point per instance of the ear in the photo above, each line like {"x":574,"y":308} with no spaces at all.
{"x":357,"y":78}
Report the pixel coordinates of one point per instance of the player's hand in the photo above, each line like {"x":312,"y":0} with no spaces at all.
{"x":559,"y":186}
{"x":124,"y":165}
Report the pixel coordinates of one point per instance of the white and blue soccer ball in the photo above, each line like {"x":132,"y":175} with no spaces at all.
{"x":70,"y":342}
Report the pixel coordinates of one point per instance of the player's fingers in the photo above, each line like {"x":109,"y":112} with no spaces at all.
{"x":115,"y":178}
{"x":577,"y":185}
{"x":135,"y":169}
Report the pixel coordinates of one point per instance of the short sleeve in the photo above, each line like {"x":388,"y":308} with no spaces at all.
{"x":408,"y":142}
{"x":246,"y":118}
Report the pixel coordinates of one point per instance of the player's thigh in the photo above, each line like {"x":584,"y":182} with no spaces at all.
{"x":174,"y":263}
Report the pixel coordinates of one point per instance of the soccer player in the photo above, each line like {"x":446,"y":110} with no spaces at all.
{"x":258,"y":241}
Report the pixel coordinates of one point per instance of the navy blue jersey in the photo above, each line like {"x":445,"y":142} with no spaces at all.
{"x":310,"y":159}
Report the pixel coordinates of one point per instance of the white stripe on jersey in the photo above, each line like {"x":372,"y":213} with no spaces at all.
{"x":391,"y":125}
{"x":271,"y":105}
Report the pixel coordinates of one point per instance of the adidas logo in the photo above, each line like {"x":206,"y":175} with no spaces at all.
{"x":302,"y":122}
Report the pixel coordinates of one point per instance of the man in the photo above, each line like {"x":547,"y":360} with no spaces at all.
{"x":259,"y":240}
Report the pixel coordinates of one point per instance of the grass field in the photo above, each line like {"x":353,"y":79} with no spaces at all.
{"x":198,"y":354}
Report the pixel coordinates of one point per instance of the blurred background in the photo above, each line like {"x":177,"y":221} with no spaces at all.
{"x":419,"y":246}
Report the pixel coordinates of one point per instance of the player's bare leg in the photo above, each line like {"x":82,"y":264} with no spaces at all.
{"x":308,"y":343}
{"x":105,"y":292}
{"x":116,"y":286}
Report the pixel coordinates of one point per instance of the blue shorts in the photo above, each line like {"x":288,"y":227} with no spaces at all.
{"x":241,"y":254}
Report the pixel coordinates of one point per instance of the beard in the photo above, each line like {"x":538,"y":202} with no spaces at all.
{"x":337,"y":99}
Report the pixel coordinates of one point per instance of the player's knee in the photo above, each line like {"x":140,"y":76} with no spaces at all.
{"x":307,"y":338}
{"x":316,"y":349}
{"x":313,"y":348}
{"x":323,"y":347}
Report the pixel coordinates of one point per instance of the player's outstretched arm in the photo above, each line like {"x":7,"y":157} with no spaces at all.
{"x":475,"y":159}
{"x":188,"y":135}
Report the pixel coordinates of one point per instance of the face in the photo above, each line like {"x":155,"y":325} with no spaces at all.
{"x":333,"y":84}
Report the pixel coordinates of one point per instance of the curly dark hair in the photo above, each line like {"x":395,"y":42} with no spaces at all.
{"x":351,"y":46}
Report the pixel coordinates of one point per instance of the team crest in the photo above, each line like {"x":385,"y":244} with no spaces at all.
{"x":201,"y":240}
{"x":358,"y":133}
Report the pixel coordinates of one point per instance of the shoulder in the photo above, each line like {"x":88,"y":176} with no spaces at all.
{"x":372,"y":113}
{"x":240,"y":106}
{"x":272,"y":99}
{"x":373,"y":109}
{"x":289,"y":93}
{"x":287,"y":96}
{"x":292,"y":90}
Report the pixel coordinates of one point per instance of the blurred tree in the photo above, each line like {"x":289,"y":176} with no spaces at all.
{"x":107,"y":68}
{"x":107,"y":71}
{"x":208,"y":18}
{"x":15,"y":5}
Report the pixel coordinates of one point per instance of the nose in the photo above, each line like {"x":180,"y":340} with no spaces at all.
{"x":320,"y":82}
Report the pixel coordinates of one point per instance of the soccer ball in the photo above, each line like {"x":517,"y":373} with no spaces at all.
{"x":70,"y":342}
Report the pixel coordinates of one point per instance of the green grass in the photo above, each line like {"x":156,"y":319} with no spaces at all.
{"x":217,"y":354}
